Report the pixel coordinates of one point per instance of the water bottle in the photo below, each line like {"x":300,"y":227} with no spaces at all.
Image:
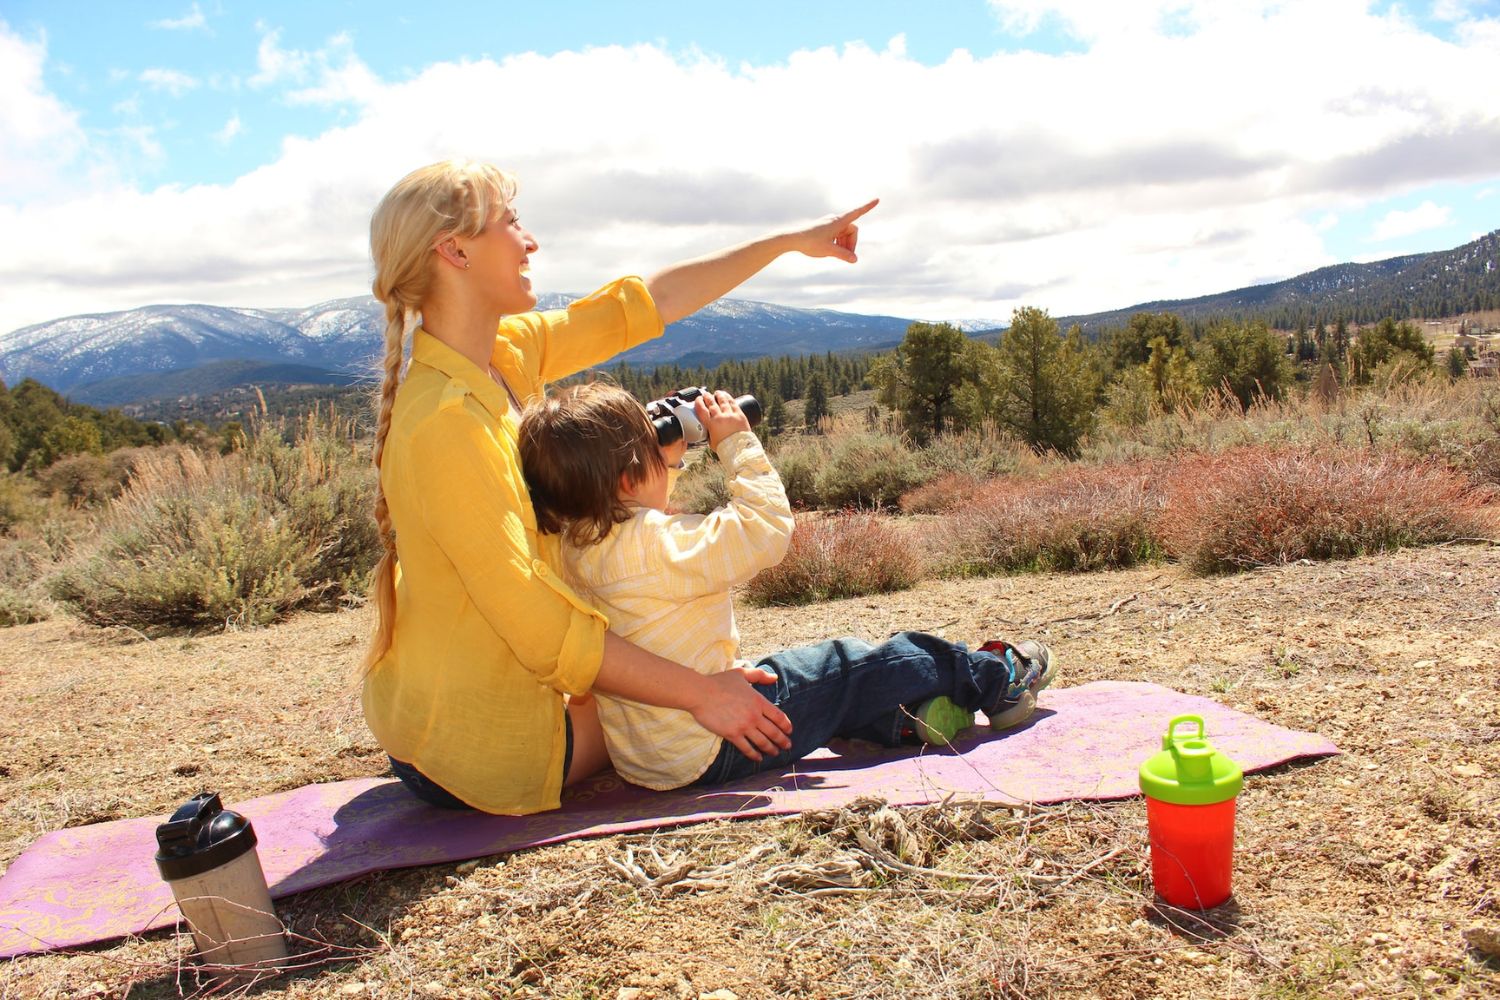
{"x":1190,"y":793}
{"x":206,"y":853}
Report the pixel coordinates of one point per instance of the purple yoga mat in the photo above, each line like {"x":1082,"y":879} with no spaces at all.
{"x":94,"y":883}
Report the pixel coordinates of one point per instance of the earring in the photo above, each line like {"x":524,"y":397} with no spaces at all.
{"x":466,"y":265}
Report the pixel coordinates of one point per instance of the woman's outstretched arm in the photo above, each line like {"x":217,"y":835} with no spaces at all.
{"x":685,"y":287}
{"x":725,"y":704}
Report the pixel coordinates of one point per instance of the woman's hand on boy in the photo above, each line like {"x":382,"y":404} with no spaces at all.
{"x":720,"y":416}
{"x":736,"y":712}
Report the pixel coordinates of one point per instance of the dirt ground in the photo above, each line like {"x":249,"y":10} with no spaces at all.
{"x":1373,"y":873}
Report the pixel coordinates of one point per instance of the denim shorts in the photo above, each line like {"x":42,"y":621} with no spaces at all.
{"x":433,"y":794}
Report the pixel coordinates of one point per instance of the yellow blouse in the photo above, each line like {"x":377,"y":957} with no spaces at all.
{"x":487,"y":637}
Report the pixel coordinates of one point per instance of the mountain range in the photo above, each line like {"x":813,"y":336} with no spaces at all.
{"x":170,"y":350}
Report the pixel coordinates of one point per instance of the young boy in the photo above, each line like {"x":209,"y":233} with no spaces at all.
{"x":598,"y":477}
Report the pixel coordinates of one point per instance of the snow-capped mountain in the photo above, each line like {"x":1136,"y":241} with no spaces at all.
{"x":344,"y":335}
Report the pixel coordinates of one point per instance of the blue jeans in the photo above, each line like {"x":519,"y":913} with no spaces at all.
{"x":850,"y":689}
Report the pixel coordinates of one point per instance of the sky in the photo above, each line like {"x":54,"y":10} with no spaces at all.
{"x":1074,"y":155}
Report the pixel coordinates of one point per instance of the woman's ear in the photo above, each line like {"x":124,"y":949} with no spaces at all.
{"x":449,"y":250}
{"x":629,"y":488}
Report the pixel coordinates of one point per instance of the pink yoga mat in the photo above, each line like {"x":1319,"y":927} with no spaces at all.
{"x":95,"y":883}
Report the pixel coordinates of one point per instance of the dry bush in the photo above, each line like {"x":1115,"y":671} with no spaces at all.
{"x":1078,"y":518}
{"x":201,"y":541}
{"x":702,"y":488}
{"x":797,"y":459}
{"x":867,"y":469}
{"x":844,"y":555}
{"x":949,"y":492}
{"x":1257,"y":506}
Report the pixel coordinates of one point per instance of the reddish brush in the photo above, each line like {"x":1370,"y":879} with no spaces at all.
{"x":844,"y":555}
{"x":1257,"y":506}
{"x":1080,"y":518}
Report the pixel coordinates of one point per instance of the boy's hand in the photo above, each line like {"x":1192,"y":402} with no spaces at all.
{"x":720,"y":416}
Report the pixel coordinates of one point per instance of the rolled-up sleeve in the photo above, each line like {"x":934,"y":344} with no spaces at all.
{"x":478,"y":520}
{"x":590,"y":331}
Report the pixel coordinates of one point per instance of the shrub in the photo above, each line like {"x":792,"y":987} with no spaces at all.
{"x":1079,"y":518}
{"x":23,"y":599}
{"x":702,"y":487}
{"x":948,"y":492}
{"x":18,"y":502}
{"x":842,"y":555}
{"x":242,"y":539}
{"x":867,"y":470}
{"x":797,"y":460}
{"x":1257,"y":506}
{"x":984,"y":452}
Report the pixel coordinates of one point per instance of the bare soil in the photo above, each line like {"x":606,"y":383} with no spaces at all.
{"x":1373,"y":873}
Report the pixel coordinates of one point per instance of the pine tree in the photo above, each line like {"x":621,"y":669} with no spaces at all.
{"x":815,"y":402}
{"x":920,"y":379}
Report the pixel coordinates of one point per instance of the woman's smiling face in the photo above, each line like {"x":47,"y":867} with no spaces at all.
{"x":500,"y":259}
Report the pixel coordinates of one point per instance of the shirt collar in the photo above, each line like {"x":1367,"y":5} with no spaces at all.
{"x":428,"y":350}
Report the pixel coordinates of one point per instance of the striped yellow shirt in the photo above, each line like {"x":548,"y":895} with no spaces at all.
{"x":663,"y":581}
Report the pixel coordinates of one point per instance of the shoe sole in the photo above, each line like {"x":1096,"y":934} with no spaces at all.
{"x":940,"y":719}
{"x":1025,"y":706}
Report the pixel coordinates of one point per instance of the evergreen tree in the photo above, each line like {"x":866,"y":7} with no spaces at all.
{"x":1043,"y":388}
{"x":1245,"y":359}
{"x":920,"y":379}
{"x":815,"y":402}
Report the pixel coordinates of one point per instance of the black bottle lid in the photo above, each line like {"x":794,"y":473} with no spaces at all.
{"x":200,"y":836}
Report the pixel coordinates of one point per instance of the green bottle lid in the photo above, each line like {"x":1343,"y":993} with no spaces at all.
{"x":1189,"y":771}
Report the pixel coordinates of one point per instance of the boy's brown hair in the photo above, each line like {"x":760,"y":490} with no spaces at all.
{"x":575,"y":445}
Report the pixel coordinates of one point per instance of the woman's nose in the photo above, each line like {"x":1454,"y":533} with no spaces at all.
{"x":532,"y":246}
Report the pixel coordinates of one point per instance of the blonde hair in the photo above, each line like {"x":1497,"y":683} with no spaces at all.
{"x":453,"y":198}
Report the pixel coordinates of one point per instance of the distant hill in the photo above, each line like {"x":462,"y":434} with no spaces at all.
{"x":166,"y":351}
{"x":1431,"y":285}
{"x":202,"y":380}
{"x":159,"y":351}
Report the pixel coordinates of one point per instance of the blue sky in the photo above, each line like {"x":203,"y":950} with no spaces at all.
{"x":1071,"y":154}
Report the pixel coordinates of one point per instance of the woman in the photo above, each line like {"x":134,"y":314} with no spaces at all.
{"x":478,"y":639}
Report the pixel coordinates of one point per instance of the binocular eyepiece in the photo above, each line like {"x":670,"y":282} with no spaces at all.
{"x":674,"y":419}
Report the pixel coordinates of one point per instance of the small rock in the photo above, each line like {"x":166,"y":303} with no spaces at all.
{"x":1485,"y":940}
{"x":1468,"y":771}
{"x":1424,"y":664}
{"x":1430,"y":976}
{"x":434,"y":988}
{"x":629,"y":993}
{"x":719,"y":995}
{"x":352,"y":989}
{"x":466,"y":867}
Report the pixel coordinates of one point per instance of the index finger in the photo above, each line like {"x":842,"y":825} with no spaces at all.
{"x":849,"y":217}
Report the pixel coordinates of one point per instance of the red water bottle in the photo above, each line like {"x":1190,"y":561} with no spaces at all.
{"x":1190,"y":792}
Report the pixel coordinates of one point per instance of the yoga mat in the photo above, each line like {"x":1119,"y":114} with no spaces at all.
{"x":94,"y":883}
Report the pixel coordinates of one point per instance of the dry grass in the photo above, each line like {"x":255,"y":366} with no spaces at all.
{"x":1356,"y":876}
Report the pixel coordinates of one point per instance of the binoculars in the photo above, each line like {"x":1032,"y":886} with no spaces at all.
{"x":674,"y":419}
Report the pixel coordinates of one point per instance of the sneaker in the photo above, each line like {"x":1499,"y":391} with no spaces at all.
{"x":1031,"y":669}
{"x":940,"y":719}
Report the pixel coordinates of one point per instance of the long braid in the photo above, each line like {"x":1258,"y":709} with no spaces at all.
{"x":383,"y":586}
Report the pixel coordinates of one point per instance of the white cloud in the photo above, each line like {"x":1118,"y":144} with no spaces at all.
{"x":277,"y":65}
{"x":1175,"y":165}
{"x":1428,"y":215}
{"x":174,"y":82}
{"x":232,"y":128}
{"x":193,"y":20}
{"x":38,"y":133}
{"x":342,"y":78}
